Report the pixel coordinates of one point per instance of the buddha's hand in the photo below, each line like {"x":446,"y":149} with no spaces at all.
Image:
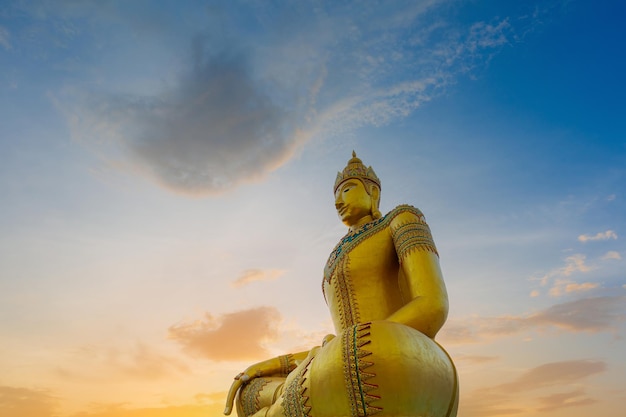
{"x":253,"y":371}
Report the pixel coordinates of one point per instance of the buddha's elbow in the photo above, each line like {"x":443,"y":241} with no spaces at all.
{"x":436,"y":317}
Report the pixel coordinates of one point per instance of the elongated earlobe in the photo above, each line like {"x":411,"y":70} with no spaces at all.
{"x":376,"y":214}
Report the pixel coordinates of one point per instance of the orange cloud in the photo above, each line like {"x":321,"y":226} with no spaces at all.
{"x":252,"y":275}
{"x":612,"y":255}
{"x":25,"y":402}
{"x":573,"y":264}
{"x":566,"y":286}
{"x":232,"y":337}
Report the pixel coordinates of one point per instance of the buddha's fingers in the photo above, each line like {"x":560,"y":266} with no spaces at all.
{"x":230,"y":398}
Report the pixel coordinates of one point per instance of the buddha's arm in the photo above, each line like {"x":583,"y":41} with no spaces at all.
{"x":420,"y":277}
{"x":279,"y":366}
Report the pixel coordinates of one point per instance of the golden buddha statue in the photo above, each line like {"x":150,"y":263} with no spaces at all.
{"x":387,"y":299}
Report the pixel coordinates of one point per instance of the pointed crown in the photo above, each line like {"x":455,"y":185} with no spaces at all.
{"x":356,"y":169}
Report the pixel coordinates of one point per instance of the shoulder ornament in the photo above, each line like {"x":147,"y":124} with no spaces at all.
{"x":411,"y":233}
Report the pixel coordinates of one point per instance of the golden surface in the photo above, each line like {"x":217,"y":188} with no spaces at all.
{"x":387,"y":299}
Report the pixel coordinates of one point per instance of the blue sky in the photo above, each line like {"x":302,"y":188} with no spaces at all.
{"x":166,"y":176}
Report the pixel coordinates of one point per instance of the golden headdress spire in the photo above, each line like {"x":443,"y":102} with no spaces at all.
{"x":356,"y":169}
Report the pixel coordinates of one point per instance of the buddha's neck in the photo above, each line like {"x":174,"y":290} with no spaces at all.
{"x":361,"y":222}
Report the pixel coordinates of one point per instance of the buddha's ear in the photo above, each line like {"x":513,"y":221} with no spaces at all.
{"x":375,"y":194}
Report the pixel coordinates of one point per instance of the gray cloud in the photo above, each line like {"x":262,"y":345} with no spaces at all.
{"x":593,"y":315}
{"x":215,"y":129}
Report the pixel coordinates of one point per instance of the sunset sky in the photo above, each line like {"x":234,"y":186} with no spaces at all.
{"x":166,"y":207}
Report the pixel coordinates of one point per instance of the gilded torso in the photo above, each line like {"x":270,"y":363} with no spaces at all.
{"x":361,"y":275}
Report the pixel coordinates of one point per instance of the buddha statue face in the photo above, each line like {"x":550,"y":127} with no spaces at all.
{"x":357,"y":194}
{"x":353,"y":202}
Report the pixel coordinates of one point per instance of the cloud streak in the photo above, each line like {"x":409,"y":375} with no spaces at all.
{"x":575,"y":398}
{"x":504,"y":399}
{"x":254,"y":275}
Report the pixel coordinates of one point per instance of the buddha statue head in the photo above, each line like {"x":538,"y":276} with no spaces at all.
{"x":357,"y":193}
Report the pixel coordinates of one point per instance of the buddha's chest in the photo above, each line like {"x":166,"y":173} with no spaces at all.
{"x":361,"y":282}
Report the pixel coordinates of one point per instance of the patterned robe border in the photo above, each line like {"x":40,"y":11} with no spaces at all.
{"x":295,"y":398}
{"x":250,"y":396}
{"x":360,"y":392}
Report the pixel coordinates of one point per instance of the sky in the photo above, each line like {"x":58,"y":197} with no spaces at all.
{"x":166,"y":174}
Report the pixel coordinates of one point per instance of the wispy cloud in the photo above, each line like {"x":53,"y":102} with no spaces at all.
{"x":238,"y":336}
{"x":396,"y":77}
{"x":592,"y":315}
{"x":560,"y":281}
{"x":252,"y":275}
{"x":487,"y":35}
{"x":5,"y":38}
{"x":609,"y":234}
{"x":573,"y":263}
